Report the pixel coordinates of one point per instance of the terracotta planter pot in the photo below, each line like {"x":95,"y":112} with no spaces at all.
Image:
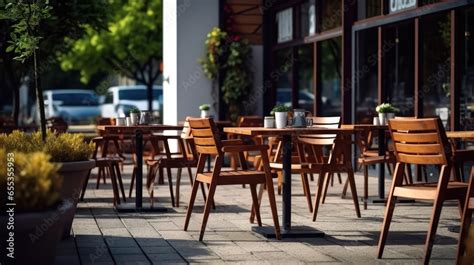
{"x":74,"y":174}
{"x":36,"y":235}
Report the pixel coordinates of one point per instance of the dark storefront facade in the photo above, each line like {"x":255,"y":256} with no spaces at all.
{"x":345,"y":57}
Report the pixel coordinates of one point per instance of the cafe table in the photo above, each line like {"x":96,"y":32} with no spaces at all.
{"x":138,"y":130}
{"x":343,"y":136}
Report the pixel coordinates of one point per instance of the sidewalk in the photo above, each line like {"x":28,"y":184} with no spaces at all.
{"x":101,"y":236}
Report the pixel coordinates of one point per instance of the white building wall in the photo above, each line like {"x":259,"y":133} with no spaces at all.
{"x":185,"y":26}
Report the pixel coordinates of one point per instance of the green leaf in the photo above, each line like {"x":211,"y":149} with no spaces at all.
{"x":10,"y":48}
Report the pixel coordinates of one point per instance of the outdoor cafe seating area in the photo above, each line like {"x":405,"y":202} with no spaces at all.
{"x":295,"y":174}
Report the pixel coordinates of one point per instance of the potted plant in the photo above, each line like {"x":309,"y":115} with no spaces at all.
{"x":134,"y":116}
{"x":204,"y":108}
{"x":35,"y":206}
{"x":281,"y":115}
{"x":386,"y":111}
{"x":69,"y":151}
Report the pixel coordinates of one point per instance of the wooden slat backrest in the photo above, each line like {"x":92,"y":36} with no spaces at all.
{"x":420,"y":141}
{"x":322,"y":139}
{"x":205,"y":136}
{"x":188,"y":141}
{"x":250,"y":121}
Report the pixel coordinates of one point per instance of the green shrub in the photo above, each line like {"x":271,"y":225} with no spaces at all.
{"x":36,"y":179}
{"x":280,"y":108}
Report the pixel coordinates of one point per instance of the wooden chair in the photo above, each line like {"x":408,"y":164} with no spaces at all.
{"x":317,"y":155}
{"x":208,"y":143}
{"x":338,"y":161}
{"x":465,"y":254}
{"x":247,"y":121}
{"x":107,"y":166}
{"x":186,"y":158}
{"x":421,"y":142}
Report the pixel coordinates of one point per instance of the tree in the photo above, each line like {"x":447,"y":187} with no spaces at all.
{"x":131,"y":45}
{"x":63,"y":19}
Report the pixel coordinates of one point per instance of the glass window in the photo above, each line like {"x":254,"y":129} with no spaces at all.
{"x":283,"y":76}
{"x":329,"y":81}
{"x":331,"y":12}
{"x":139,"y":94}
{"x":368,"y":8}
{"x":76,"y":99}
{"x":305,"y":77}
{"x":436,"y":65}
{"x":307,"y":18}
{"x":467,"y":91}
{"x":366,"y":93}
{"x":398,"y":57}
{"x":284,"y":21}
{"x":109,"y":98}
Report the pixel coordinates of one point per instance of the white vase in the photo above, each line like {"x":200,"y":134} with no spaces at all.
{"x":281,"y":119}
{"x":383,"y":118}
{"x":134,"y":118}
{"x":204,"y":114}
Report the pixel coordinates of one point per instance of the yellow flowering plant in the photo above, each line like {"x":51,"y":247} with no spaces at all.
{"x":36,"y":181}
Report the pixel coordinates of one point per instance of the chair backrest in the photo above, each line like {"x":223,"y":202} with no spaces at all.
{"x":322,"y":139}
{"x":188,"y":146}
{"x":206,"y":136}
{"x":250,"y":121}
{"x":326,"y":122}
{"x":420,"y":141}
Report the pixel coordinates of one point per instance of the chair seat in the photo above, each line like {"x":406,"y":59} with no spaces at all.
{"x":294,"y":166}
{"x":370,"y":160}
{"x":427,"y":191}
{"x":235,"y":177}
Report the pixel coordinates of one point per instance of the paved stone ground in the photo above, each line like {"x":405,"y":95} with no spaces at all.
{"x":102,"y":236}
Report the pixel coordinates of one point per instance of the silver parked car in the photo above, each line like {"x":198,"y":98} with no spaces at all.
{"x":75,"y":106}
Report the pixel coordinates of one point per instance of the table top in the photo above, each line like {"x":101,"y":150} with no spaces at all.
{"x":155,"y":127}
{"x":253,"y":131}
{"x":460,"y":134}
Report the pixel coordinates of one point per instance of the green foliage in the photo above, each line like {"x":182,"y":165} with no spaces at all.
{"x":64,"y":147}
{"x":26,"y":18}
{"x":134,"y":110}
{"x":130,"y":44}
{"x":280,"y":108}
{"x":386,"y":108}
{"x":205,"y":107}
{"x":37,"y":182}
{"x":229,"y":56}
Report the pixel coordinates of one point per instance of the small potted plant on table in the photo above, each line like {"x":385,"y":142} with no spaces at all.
{"x":134,"y":116}
{"x":281,"y":115}
{"x":32,"y":190}
{"x":204,"y":108}
{"x":386,"y":111}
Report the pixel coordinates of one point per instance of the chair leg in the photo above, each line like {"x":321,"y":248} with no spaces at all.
{"x":132,"y":182}
{"x":161,"y":179}
{"x":256,"y":204}
{"x":437,"y":207}
{"x":273,"y":207}
{"x":259,"y":197}
{"x":191,"y":203}
{"x":178,"y":182}
{"x":350,"y":177}
{"x":307,"y":191}
{"x":114,"y":184}
{"x":280,"y":182}
{"x":190,"y":173}
{"x":397,"y":181}
{"x":465,"y":224}
{"x":119,"y":178}
{"x":207,"y":209}
{"x":84,"y":187}
{"x":170,"y":184}
{"x":344,"y":189}
{"x":319,"y":191}
{"x":366,"y":186}
{"x":99,"y":175}
{"x":326,"y":186}
{"x":339,"y":177}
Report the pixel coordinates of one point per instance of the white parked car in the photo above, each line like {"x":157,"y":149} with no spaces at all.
{"x":75,"y":106}
{"x":120,"y":99}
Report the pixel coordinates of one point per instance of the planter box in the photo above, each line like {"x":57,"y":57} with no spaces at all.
{"x":74,"y":175}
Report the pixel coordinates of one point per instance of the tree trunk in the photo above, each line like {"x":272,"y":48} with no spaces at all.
{"x":149,"y":91}
{"x":39,"y":96}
